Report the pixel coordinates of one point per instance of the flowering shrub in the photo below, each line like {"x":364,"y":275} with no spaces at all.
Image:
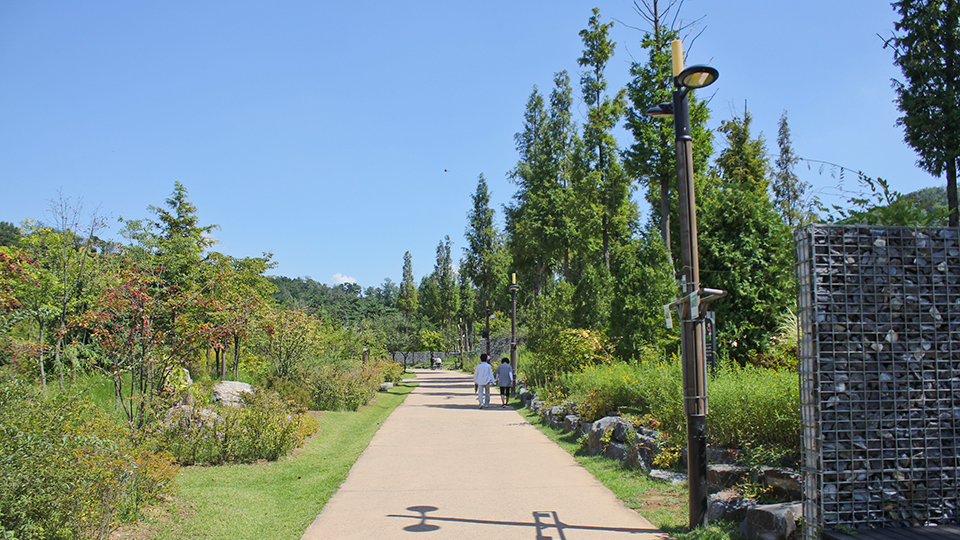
{"x":264,"y":428}
{"x":67,"y":470}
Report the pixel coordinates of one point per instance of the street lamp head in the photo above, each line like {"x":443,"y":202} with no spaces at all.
{"x":695,"y":77}
{"x":663,"y":110}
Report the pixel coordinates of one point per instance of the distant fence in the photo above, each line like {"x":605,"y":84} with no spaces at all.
{"x":499,"y":348}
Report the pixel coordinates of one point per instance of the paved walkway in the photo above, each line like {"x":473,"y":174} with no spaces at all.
{"x":439,"y":467}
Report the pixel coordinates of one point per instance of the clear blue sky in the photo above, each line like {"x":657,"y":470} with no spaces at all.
{"x":338,"y":135}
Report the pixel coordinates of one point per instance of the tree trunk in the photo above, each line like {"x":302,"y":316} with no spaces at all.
{"x":665,"y":210}
{"x":952,"y":191}
{"x":539,"y":286}
{"x":236,"y":357}
{"x":43,"y":373}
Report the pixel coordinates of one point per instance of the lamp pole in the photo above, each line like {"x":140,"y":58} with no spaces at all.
{"x":514,"y":288}
{"x":690,"y":310}
{"x":488,"y":328}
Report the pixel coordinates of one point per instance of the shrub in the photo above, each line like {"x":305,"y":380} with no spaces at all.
{"x":754,"y":406}
{"x":653,"y":387}
{"x":68,"y":471}
{"x":567,"y":352}
{"x":264,"y":428}
{"x":291,"y":390}
{"x":748,"y":407}
{"x":335,"y":388}
{"x":390,"y":371}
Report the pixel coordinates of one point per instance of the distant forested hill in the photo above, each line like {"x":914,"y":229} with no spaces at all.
{"x":348,"y":303}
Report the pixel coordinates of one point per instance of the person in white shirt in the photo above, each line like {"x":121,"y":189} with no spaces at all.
{"x":483,"y":378}
{"x":504,"y":381}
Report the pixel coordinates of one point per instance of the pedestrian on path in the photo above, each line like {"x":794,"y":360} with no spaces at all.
{"x":504,"y":381}
{"x":483,"y":378}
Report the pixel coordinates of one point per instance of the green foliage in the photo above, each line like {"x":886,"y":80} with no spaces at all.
{"x":439,"y":292}
{"x":290,"y":390}
{"x":67,"y":471}
{"x":264,"y":428}
{"x":788,"y":189}
{"x":592,"y":297}
{"x":407,"y":301}
{"x":347,"y":388}
{"x":745,"y":247}
{"x":652,"y":157}
{"x":390,"y":371}
{"x":748,"y":407}
{"x":753,"y":406}
{"x":485,"y":258}
{"x":567,"y":351}
{"x":9,"y":234}
{"x":538,"y":222}
{"x":881,"y":206}
{"x":346,"y":303}
{"x":644,"y":282}
{"x":430,"y":340}
{"x":604,"y":183}
{"x":926,"y":49}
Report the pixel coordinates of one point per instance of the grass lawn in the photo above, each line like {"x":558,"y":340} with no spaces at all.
{"x":665,"y":505}
{"x":277,"y":500}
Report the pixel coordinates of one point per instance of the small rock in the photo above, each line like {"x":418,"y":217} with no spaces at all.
{"x":228,"y":393}
{"x":771,"y":521}
{"x":722,"y":475}
{"x":615,"y":450}
{"x":728,"y":505}
{"x":721,"y":455}
{"x":637,"y":457}
{"x":784,"y":483}
{"x":571,"y":422}
{"x":600,"y":428}
{"x":386,"y":385}
{"x":668,"y":476}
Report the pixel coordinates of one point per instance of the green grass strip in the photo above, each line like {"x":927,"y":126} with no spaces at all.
{"x":277,"y":500}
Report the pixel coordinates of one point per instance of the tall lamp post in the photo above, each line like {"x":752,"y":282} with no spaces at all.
{"x":487,"y":332}
{"x":514,"y":288}
{"x":689,"y":305}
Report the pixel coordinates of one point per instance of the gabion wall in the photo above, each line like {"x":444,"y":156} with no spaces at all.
{"x":880,"y":376}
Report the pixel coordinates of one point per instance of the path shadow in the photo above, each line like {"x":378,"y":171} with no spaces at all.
{"x":542,"y":522}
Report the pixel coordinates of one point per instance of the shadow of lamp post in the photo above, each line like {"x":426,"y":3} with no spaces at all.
{"x":691,"y":307}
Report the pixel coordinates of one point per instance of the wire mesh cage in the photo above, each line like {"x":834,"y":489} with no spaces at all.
{"x":879,"y":376}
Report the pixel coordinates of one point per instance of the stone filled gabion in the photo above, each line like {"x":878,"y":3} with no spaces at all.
{"x":880,"y":375}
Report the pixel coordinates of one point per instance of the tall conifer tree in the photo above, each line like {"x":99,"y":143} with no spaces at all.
{"x":604,"y":173}
{"x":928,"y":53}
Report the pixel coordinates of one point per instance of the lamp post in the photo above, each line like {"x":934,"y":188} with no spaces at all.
{"x":514,"y":288}
{"x":689,"y":305}
{"x":487,"y":333}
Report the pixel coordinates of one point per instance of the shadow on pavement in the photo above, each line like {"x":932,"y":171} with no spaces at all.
{"x":542,"y":521}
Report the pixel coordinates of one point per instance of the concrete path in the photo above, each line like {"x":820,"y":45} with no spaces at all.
{"x":439,"y":467}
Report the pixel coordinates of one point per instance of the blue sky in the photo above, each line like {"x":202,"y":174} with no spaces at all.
{"x":339,"y":135}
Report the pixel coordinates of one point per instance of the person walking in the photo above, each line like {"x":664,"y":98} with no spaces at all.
{"x":504,"y":381}
{"x":483,"y":378}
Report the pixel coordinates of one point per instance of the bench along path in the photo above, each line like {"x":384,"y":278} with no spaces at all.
{"x":439,"y":467}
